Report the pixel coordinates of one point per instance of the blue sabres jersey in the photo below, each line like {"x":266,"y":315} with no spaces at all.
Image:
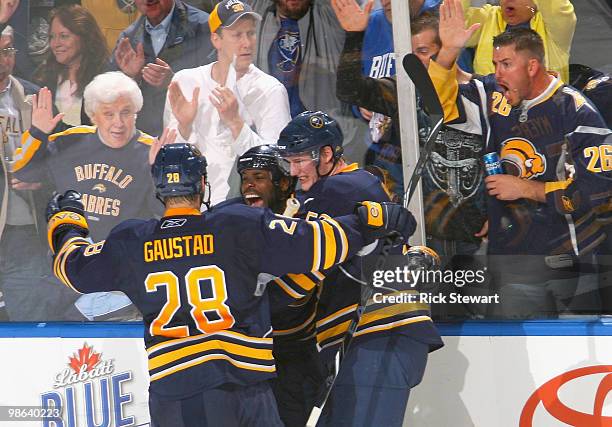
{"x":293,"y":302}
{"x":340,"y":291}
{"x":557,"y":138}
{"x":115,"y":183}
{"x":199,"y":280}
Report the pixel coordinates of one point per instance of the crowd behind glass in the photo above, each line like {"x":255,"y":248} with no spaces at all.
{"x":63,"y":63}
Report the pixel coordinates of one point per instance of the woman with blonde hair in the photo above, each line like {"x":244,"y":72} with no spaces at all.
{"x":77,"y":53}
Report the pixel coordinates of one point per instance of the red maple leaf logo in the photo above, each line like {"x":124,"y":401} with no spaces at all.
{"x":86,"y":357}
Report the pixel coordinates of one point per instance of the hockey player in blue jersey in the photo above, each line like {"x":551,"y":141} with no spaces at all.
{"x":265,"y":182}
{"x":541,"y":212}
{"x":392,"y":343}
{"x":198,"y":281}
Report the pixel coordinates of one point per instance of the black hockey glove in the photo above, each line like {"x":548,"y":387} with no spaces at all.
{"x":65,"y":212}
{"x":69,"y":201}
{"x":380,"y":220}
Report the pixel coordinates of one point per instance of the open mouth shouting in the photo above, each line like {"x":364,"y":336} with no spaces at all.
{"x":254,"y":199}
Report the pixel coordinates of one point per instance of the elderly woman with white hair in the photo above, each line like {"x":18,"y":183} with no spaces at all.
{"x":107,"y":163}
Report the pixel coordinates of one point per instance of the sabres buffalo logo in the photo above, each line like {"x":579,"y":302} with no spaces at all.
{"x":520,"y":158}
{"x":235,"y":5}
{"x":316,"y":122}
{"x":100,"y":188}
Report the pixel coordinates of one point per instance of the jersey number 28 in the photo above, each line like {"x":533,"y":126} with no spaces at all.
{"x":209,"y":274}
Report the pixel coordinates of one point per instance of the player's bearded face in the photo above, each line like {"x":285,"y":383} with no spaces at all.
{"x":511,"y":74}
{"x":257,"y":188}
{"x":116,"y":122}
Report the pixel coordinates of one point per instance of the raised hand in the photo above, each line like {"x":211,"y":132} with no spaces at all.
{"x":184,"y":111}
{"x":453,"y":33}
{"x":168,"y":136}
{"x":350,"y":15}
{"x":130,"y":61}
{"x":226,"y":104}
{"x":157,"y":73}
{"x":42,"y":111}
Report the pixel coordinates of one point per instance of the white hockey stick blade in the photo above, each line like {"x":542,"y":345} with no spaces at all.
{"x":313,"y":419}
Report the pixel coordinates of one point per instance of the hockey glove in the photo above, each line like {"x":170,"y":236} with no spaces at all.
{"x":385,"y":219}
{"x":65,"y":212}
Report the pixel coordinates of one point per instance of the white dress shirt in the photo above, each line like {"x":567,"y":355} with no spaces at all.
{"x":264,"y":108}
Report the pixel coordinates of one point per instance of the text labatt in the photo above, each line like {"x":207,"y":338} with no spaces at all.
{"x":90,"y":393}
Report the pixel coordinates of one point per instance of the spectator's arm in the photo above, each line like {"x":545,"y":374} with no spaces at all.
{"x":183,"y":93}
{"x":447,"y":88}
{"x":560,"y":21}
{"x":353,"y":87}
{"x":443,"y":71}
{"x":476,"y":15}
{"x":271,"y":114}
{"x":29,"y":159}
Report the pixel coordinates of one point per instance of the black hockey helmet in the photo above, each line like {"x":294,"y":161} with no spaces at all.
{"x":266,"y":157}
{"x":178,"y":170}
{"x":309,"y":132}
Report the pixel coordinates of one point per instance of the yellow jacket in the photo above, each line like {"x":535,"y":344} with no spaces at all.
{"x":111,"y":19}
{"x":555,"y":22}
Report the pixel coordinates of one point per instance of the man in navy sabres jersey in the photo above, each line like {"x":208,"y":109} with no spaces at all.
{"x":266,"y":183}
{"x":392,"y":342}
{"x":198,"y":280}
{"x":542,"y":211}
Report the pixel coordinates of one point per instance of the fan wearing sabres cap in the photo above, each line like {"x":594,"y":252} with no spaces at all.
{"x":229,"y":106}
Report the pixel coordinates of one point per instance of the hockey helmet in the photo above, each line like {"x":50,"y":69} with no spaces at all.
{"x":178,"y":170}
{"x":266,"y":157}
{"x":308,"y":132}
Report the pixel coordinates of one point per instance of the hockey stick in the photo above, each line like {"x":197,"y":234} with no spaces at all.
{"x":418,"y":73}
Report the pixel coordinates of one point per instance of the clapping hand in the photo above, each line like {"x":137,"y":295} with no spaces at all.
{"x":157,"y":73}
{"x":226,"y":103}
{"x":184,"y":111}
{"x":350,"y":15}
{"x":130,"y":61}
{"x":168,"y":136}
{"x":42,"y":111}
